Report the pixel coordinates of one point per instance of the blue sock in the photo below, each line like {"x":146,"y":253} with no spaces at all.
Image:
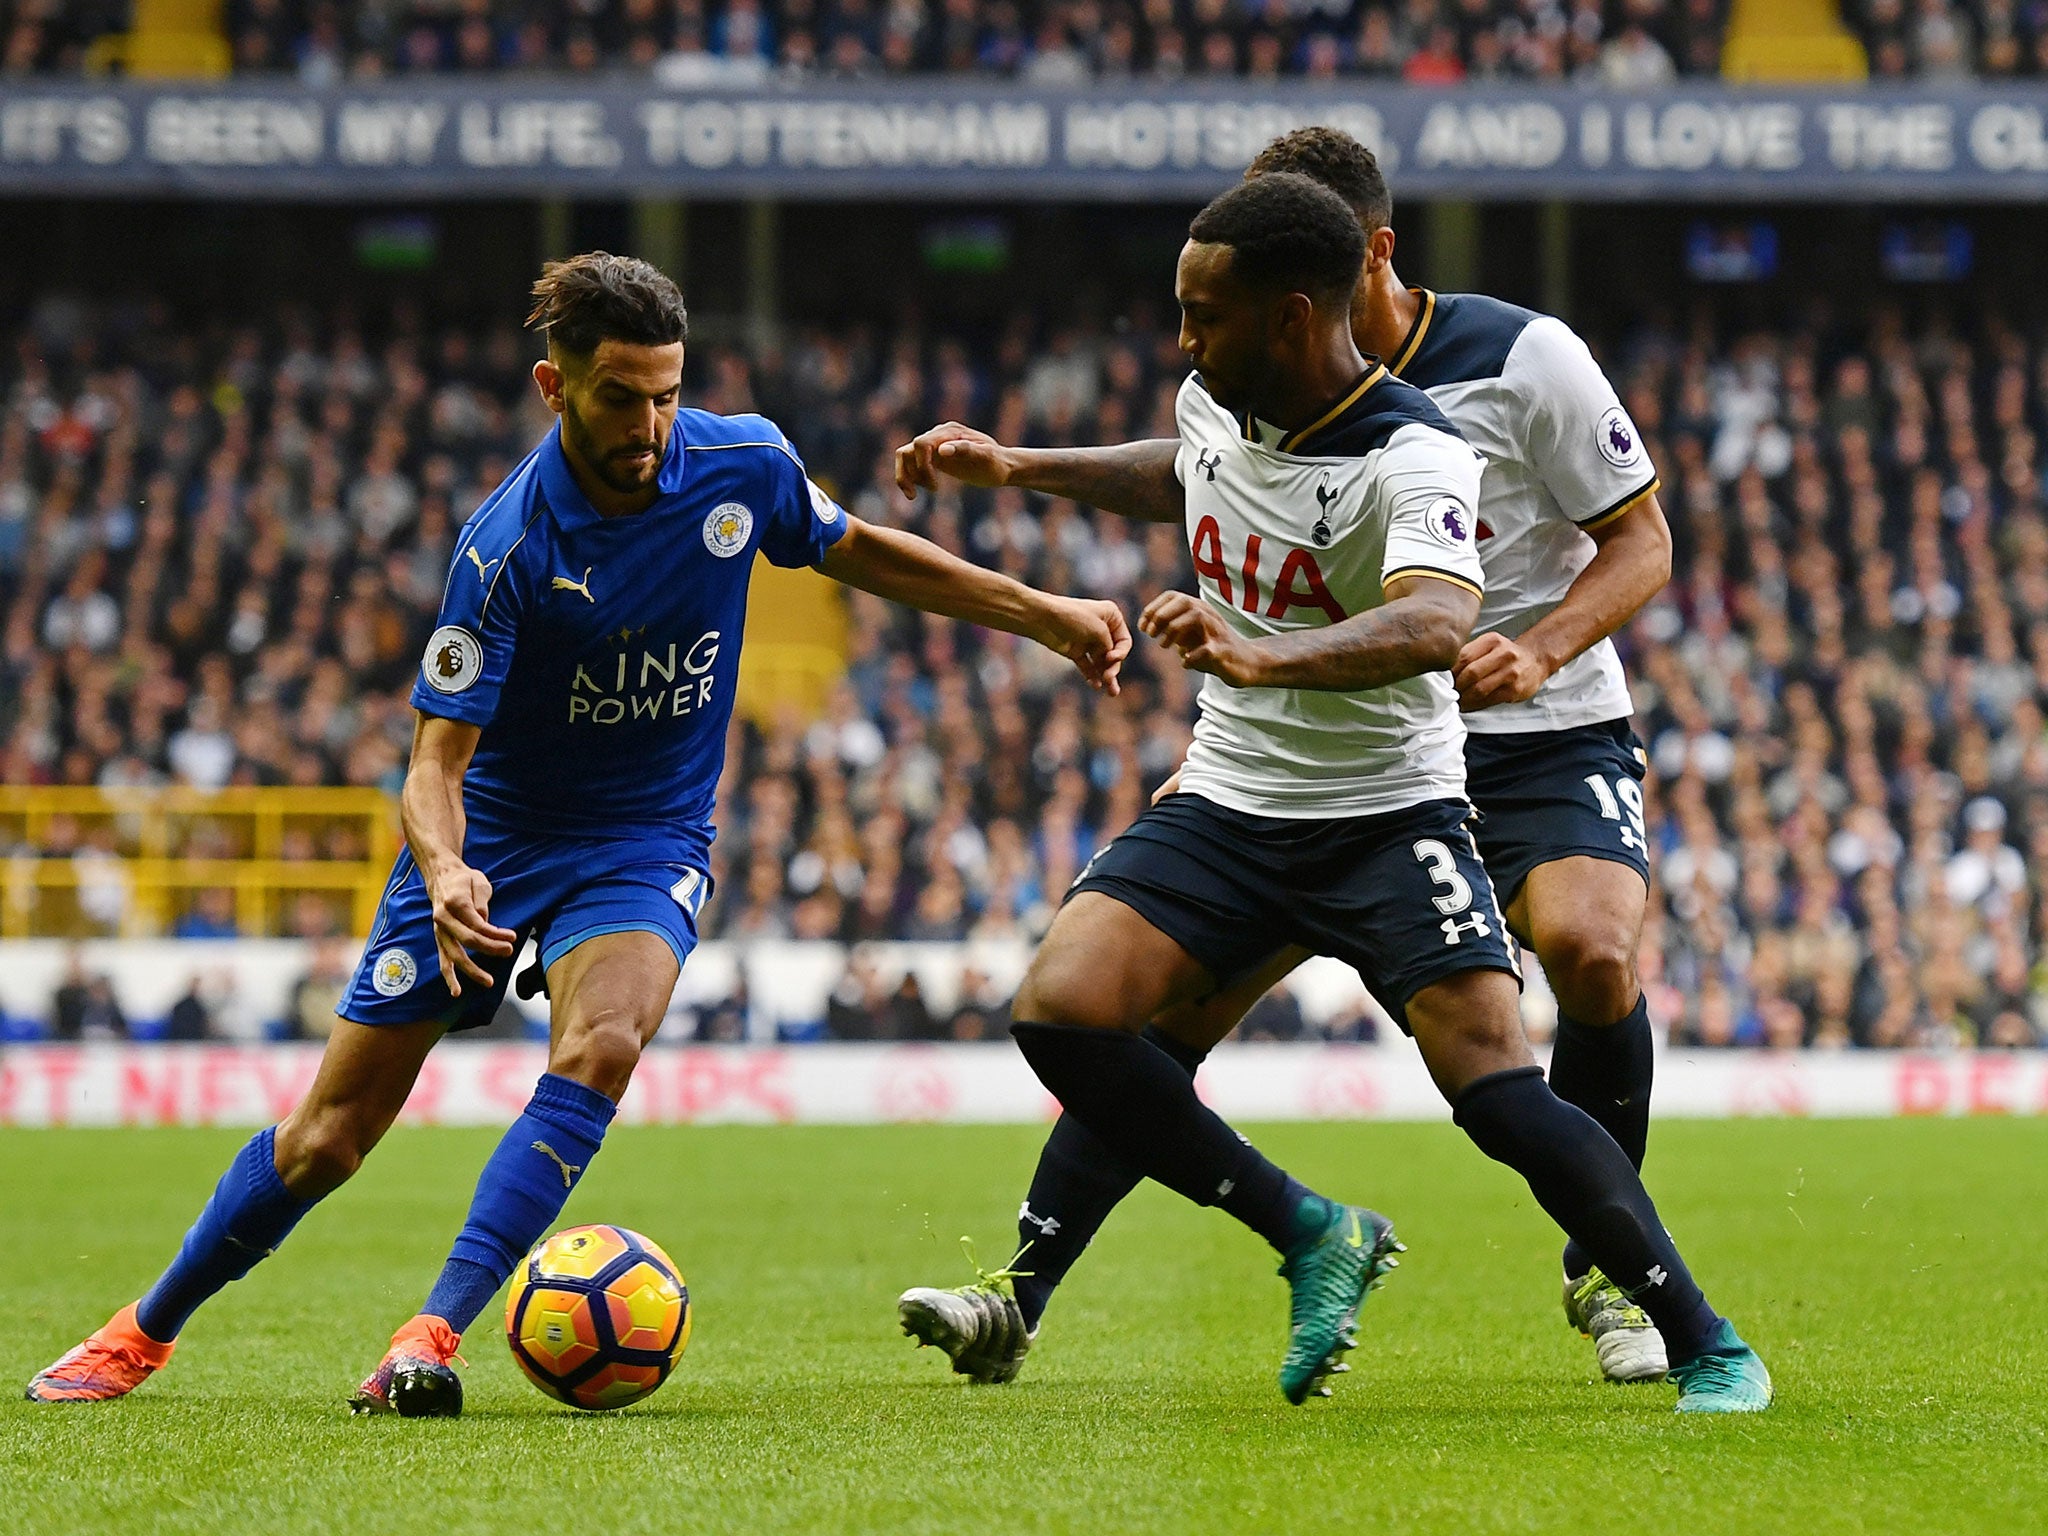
{"x":523,"y":1189}
{"x":248,"y":1216}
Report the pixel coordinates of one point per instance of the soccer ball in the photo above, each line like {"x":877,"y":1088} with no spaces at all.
{"x":597,"y":1316}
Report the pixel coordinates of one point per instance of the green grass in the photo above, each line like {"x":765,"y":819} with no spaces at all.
{"x":1891,"y":1273}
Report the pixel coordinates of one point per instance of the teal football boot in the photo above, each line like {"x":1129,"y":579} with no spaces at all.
{"x":1329,"y":1279}
{"x":1728,"y":1378}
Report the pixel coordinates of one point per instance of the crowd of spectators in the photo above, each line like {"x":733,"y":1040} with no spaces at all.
{"x":221,"y":548}
{"x":1624,"y":43}
{"x":1628,"y":43}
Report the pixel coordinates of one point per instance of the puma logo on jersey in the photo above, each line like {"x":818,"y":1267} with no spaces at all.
{"x":1208,"y":462}
{"x":564,"y":584}
{"x":569,"y":1169}
{"x":1326,"y":495}
{"x":483,"y":566}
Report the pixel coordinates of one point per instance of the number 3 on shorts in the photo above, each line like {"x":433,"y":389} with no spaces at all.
{"x":1628,"y":809}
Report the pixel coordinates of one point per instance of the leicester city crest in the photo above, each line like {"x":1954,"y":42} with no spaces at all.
{"x":727,"y":528}
{"x":394,"y":972}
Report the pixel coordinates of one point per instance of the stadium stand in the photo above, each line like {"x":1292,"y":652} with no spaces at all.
{"x":1622,"y":43}
{"x":223,"y":547}
{"x":1440,"y":42}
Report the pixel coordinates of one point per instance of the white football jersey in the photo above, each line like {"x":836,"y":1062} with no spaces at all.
{"x":1562,"y":456}
{"x":1301,"y":531}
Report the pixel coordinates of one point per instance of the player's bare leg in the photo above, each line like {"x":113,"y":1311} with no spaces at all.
{"x":1101,"y":973}
{"x":1584,"y":918}
{"x":609,"y":996}
{"x":364,"y":1077}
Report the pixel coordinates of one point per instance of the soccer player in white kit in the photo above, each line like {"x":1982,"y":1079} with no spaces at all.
{"x":1334,"y":524}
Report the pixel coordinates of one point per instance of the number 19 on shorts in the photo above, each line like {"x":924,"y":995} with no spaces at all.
{"x":1622,"y":803}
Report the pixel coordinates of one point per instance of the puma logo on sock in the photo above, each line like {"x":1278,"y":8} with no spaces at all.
{"x":569,"y":1169}
{"x":1047,"y":1225}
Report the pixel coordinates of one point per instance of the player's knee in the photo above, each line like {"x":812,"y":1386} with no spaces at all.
{"x":1593,"y":974}
{"x":318,"y":1152}
{"x":600,"y":1048}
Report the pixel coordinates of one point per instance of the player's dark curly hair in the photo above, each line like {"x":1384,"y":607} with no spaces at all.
{"x":1287,"y":233}
{"x":1332,"y":158}
{"x":601,"y":297}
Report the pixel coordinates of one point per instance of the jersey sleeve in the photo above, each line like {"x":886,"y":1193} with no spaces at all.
{"x":1579,"y":439}
{"x":470,"y":650}
{"x":1429,"y":484}
{"x":803,"y":522}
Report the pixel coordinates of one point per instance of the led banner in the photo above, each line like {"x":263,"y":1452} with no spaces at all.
{"x":981,"y":139}
{"x":480,"y":1084}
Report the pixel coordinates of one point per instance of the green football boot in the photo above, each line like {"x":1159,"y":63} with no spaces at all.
{"x":1329,"y":1279}
{"x":1728,"y":1378}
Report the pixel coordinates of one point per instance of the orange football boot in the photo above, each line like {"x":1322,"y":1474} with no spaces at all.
{"x":112,"y":1363}
{"x":413,"y":1379}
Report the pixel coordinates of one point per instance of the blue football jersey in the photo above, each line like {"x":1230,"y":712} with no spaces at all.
{"x":600,"y":655}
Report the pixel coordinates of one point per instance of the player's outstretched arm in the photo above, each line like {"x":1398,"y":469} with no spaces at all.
{"x":904,"y":568}
{"x":1134,"y":480}
{"x":1417,"y":629}
{"x":1631,"y":566}
{"x":430,"y":808}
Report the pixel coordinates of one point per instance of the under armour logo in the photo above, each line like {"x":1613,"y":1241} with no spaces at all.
{"x":569,"y":1169}
{"x":1208,"y":461}
{"x":564,"y":584}
{"x":1657,"y":1274}
{"x":1455,"y":931}
{"x":1326,"y":494}
{"x":483,"y":566}
{"x":1047,"y":1225}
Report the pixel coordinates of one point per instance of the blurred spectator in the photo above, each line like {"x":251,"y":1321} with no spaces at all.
{"x":190,"y":1018}
{"x":84,"y":1007}
{"x":983,"y":1011}
{"x":310,"y":1005}
{"x":211,"y":916}
{"x":1276,"y":1016}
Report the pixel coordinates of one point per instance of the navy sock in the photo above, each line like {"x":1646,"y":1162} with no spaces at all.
{"x":248,"y":1216}
{"x":522,"y":1190}
{"x":1079,"y":1181}
{"x":1141,"y":1104}
{"x":1606,"y":1072}
{"x":1585,"y":1182}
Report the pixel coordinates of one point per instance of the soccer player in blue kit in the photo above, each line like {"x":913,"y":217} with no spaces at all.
{"x":573,"y":705}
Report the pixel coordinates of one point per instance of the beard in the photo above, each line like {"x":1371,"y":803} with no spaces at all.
{"x":615,"y":468}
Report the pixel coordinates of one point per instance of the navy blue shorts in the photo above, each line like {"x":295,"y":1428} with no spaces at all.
{"x":1549,"y":795}
{"x":1400,"y":897}
{"x":564,"y":889}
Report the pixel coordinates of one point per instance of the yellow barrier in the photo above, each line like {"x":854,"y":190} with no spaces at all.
{"x":92,"y":860}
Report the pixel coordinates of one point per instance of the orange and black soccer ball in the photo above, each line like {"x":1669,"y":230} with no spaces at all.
{"x":597,"y":1316}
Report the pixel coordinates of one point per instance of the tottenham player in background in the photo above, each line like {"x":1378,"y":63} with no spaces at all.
{"x":572,"y":720}
{"x":1321,"y":804}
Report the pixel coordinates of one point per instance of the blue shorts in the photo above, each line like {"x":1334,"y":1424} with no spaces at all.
{"x":1400,"y":897}
{"x":563,"y":890}
{"x":1550,"y":795}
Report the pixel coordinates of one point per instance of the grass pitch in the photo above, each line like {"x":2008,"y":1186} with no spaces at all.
{"x":1890,"y":1273}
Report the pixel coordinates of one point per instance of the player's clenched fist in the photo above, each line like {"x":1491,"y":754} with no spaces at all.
{"x":969,"y":456}
{"x":1089,"y":632}
{"x":1205,"y":642}
{"x":1492,"y":669}
{"x":463,"y":928}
